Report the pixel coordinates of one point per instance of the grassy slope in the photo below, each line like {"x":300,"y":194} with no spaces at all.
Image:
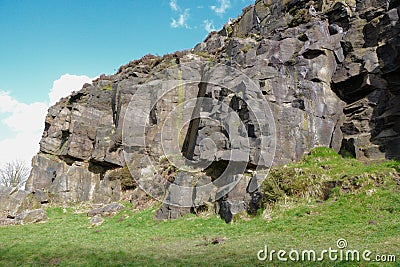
{"x":132,"y":238}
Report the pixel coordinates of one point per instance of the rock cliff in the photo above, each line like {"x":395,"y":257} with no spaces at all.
{"x":328,"y":72}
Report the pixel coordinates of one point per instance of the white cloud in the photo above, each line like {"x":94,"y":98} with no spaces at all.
{"x":174,"y":5}
{"x":27,"y":120}
{"x":209,"y":25}
{"x":223,"y":5}
{"x":181,"y":21}
{"x":7,"y":103}
{"x":20,"y":147}
{"x":65,"y":85}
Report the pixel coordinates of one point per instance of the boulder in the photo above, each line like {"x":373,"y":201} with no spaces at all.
{"x":13,"y":202}
{"x":236,"y":201}
{"x":167,"y":212}
{"x":97,"y":220}
{"x":106,"y":210}
{"x":31,"y":216}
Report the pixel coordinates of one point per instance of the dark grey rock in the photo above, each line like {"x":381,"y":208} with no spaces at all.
{"x":236,"y":201}
{"x":167,"y":212}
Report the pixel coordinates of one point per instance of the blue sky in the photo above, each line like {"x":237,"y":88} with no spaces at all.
{"x":43,"y":41}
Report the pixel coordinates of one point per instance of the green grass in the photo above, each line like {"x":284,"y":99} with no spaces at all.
{"x":136,"y":239}
{"x":367,"y":219}
{"x":312,"y":177}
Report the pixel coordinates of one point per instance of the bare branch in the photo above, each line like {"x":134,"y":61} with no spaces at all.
{"x":14,"y":174}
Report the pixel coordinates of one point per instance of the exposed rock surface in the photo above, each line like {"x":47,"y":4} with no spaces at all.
{"x":72,"y":182}
{"x":328,"y":69}
{"x":14,"y":201}
{"x":106,"y":210}
{"x":7,"y":221}
{"x":31,"y":216}
{"x":25,"y":217}
{"x":97,"y":220}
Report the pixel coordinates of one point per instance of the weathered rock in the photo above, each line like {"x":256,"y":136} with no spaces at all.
{"x":77,"y":182}
{"x":97,"y":220}
{"x":139,"y":198}
{"x":7,"y":221}
{"x":167,"y":212}
{"x":13,"y":201}
{"x":366,"y":82}
{"x":237,"y":200}
{"x":178,"y":197}
{"x":31,"y":216}
{"x":41,"y":196}
{"x":106,"y":210}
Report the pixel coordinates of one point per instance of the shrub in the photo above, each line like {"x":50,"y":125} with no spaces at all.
{"x":124,"y":175}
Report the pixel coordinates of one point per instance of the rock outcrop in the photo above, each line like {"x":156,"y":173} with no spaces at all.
{"x":13,"y":201}
{"x":96,"y":220}
{"x":328,"y":71}
{"x":106,"y":210}
{"x":31,"y":216}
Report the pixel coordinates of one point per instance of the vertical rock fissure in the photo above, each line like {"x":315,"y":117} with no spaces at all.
{"x":190,"y":140}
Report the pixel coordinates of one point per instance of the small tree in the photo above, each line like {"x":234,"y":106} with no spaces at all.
{"x":14,"y":174}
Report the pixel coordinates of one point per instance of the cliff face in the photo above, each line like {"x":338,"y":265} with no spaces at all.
{"x":328,"y":71}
